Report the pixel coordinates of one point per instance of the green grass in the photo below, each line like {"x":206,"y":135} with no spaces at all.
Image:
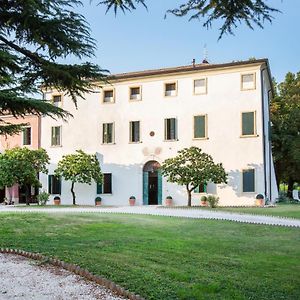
{"x":280,"y":210}
{"x":167,"y":258}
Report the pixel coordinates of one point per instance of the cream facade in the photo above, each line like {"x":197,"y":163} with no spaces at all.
{"x":138,"y":120}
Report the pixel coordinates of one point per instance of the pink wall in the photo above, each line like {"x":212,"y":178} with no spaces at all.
{"x":17,"y":140}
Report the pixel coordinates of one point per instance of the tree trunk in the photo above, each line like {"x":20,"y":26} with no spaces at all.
{"x":27,"y":194}
{"x":73,"y":193}
{"x":189,"y":198}
{"x":290,"y":187}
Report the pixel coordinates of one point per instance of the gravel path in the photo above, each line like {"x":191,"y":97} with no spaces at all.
{"x":26,"y":279}
{"x":170,"y":212}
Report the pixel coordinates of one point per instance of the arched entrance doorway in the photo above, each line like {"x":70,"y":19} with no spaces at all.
{"x":152,"y":183}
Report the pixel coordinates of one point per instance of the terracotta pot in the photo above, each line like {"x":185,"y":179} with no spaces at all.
{"x":203,"y":203}
{"x":56,"y":202}
{"x":260,"y":202}
{"x":97,"y":203}
{"x":131,"y":202}
{"x":169,"y":202}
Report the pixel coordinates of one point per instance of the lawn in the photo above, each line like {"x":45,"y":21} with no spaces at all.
{"x":167,"y":258}
{"x":280,"y":210}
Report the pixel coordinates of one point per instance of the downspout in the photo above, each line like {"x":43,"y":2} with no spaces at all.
{"x":270,"y":147}
{"x":263,"y":125}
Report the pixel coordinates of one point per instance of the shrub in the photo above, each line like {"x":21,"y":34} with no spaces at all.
{"x":282,"y":197}
{"x":203,"y":198}
{"x":169,"y":197}
{"x":98,"y":199}
{"x":213,"y":201}
{"x":43,"y":198}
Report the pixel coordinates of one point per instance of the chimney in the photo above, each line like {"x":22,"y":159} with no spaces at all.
{"x":194,"y":62}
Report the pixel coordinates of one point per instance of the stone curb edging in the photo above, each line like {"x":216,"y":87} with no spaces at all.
{"x":258,"y":222}
{"x":118,"y":290}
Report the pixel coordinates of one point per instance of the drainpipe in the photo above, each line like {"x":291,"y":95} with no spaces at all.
{"x":263,"y":125}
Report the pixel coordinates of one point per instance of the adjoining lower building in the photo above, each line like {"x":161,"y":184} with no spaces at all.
{"x":30,"y":138}
{"x":142,"y":118}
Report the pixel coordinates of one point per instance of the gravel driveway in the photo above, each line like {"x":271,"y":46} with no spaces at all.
{"x":21,"y":278}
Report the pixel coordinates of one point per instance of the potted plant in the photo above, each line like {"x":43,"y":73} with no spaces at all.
{"x":131,"y":200}
{"x":169,"y":201}
{"x":98,"y":201}
{"x":260,"y":200}
{"x":56,"y":200}
{"x":203,"y":201}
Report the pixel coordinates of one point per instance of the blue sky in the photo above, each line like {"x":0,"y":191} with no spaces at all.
{"x":145,"y":40}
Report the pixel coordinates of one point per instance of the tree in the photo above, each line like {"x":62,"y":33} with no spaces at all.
{"x":34,"y":35}
{"x":21,"y":166}
{"x":285,"y":118}
{"x":192,"y":167}
{"x":232,"y":12}
{"x":79,"y":167}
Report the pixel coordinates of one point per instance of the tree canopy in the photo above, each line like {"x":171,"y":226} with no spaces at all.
{"x":34,"y":36}
{"x":191,"y":168}
{"x":285,"y":117}
{"x":79,"y":167}
{"x":231,"y":12}
{"x":21,"y":166}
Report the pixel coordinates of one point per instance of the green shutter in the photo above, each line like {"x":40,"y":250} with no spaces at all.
{"x":159,"y":187}
{"x":145,"y":188}
{"x":59,"y":185}
{"x":99,"y":188}
{"x":249,"y":181}
{"x":50,"y":184}
{"x":199,"y":127}
{"x":248,"y":123}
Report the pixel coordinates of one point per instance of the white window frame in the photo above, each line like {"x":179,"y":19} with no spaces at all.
{"x":113,"y":134}
{"x":112,"y":98}
{"x":254,"y":81}
{"x":139,"y":98}
{"x":30,"y":136}
{"x":60,"y":136}
{"x":194,"y":88}
{"x":175,"y":91}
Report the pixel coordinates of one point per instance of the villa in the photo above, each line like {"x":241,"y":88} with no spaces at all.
{"x":141,"y":118}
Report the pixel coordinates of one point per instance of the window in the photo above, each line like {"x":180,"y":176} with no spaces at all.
{"x":134,"y":131}
{"x":106,"y":186}
{"x":108,"y":96}
{"x":56,"y":99}
{"x":170,"y":129}
{"x":200,"y":86}
{"x":248,"y":123}
{"x":249,"y":181}
{"x":27,"y":136}
{"x":200,"y":127}
{"x":135,"y":93}
{"x":108,"y":133}
{"x":56,"y":136}
{"x":202,"y":188}
{"x":170,"y":89}
{"x":248,"y":81}
{"x":54,"y":184}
